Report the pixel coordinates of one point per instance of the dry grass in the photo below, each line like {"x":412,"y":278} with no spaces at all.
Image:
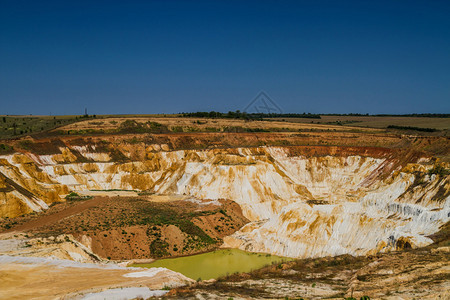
{"x":207,"y":125}
{"x":419,"y":273}
{"x":376,"y":122}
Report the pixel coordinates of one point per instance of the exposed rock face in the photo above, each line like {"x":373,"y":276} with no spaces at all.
{"x":60,"y":247}
{"x":302,"y":201}
{"x":24,"y":187}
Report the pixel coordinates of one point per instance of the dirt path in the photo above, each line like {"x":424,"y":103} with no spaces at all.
{"x":55,"y":217}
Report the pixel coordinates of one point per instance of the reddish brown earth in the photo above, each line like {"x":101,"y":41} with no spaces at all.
{"x":133,"y":227}
{"x":55,"y":216}
{"x":432,"y":145}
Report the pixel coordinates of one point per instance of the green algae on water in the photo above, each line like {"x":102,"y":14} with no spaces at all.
{"x":216,"y":264}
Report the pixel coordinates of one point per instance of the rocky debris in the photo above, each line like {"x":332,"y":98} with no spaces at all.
{"x":60,"y":247}
{"x":441,"y":250}
{"x":413,"y":274}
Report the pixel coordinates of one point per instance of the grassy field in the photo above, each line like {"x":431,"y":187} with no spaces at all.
{"x":376,"y":121}
{"x":186,"y":124}
{"x":17,"y":126}
{"x":22,"y":125}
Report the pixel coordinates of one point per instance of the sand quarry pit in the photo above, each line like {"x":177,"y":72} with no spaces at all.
{"x":304,"y":195}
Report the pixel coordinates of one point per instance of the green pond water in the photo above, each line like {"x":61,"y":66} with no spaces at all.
{"x":216,"y":263}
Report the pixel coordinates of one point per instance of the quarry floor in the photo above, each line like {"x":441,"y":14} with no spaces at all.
{"x":414,"y":274}
{"x":45,"y":280}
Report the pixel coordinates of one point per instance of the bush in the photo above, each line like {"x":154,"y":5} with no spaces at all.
{"x":439,"y":170}
{"x":74,"y":196}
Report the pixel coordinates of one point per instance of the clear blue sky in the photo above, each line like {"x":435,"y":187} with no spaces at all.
{"x":175,"y":56}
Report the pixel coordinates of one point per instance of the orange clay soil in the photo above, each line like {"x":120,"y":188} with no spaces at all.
{"x":432,"y":145}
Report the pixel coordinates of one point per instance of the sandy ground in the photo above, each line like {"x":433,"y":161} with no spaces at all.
{"x":108,"y":193}
{"x":152,"y":198}
{"x":21,"y":280}
{"x":166,"y":198}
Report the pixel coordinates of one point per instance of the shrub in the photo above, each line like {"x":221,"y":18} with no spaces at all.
{"x":439,"y":170}
{"x":412,"y":128}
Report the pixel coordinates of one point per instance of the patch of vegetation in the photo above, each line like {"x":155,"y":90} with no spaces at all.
{"x":163,"y":216}
{"x":131,"y":126}
{"x":393,"y":115}
{"x":89,"y":131}
{"x":240,"y":129}
{"x":75,"y":197}
{"x":176,"y":129}
{"x":247,"y":116}
{"x":439,"y":170}
{"x":6,"y":149}
{"x":15,"y":126}
{"x":412,"y":128}
{"x":42,"y":147}
{"x":135,"y":140}
{"x":72,"y":194}
{"x":26,"y":144}
{"x":341,"y":123}
{"x":158,"y":248}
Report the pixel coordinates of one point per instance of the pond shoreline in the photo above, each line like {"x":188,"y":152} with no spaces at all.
{"x":151,"y":260}
{"x":128,"y":263}
{"x":215,"y":264}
